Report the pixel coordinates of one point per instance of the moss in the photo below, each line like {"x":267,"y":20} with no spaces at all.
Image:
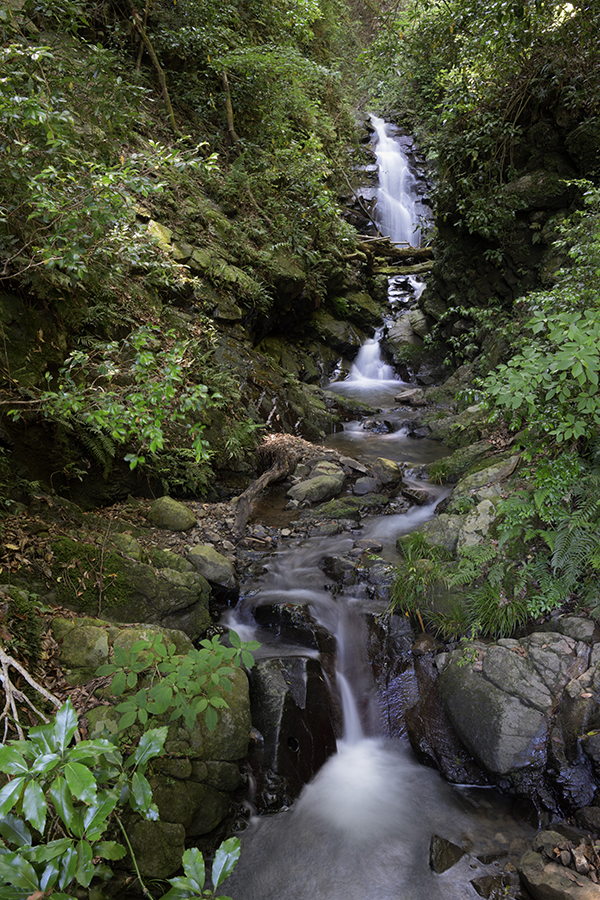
{"x":21,"y":622}
{"x":79,"y":566}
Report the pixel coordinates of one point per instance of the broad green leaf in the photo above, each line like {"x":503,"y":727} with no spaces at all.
{"x":226,"y":857}
{"x":119,"y":683}
{"x":35,"y":806}
{"x":65,"y":726}
{"x":81,"y":781}
{"x":109,"y":850}
{"x":84,"y":871}
{"x":46,"y":852}
{"x":16,"y":871}
{"x":9,"y":795}
{"x":211,"y":717}
{"x":45,"y":763}
{"x":234,"y":639}
{"x":63,"y":800}
{"x":49,"y":876}
{"x":150,"y":745}
{"x":12,"y":761}
{"x":193,"y":866}
{"x":91,"y":750}
{"x":68,"y":867}
{"x":96,"y":816}
{"x":15,"y":831}
{"x":141,"y":791}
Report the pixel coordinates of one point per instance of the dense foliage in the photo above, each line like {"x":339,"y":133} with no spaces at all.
{"x":226,"y":122}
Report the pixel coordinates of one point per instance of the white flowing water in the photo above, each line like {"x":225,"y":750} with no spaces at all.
{"x":396,"y":201}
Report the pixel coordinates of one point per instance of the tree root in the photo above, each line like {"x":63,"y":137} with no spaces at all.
{"x":283,"y":458}
{"x":13,"y":695}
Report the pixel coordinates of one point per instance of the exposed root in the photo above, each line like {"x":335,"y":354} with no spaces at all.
{"x":13,"y":695}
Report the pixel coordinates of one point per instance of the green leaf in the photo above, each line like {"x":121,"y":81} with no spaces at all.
{"x":95,"y":819}
{"x":118,"y":683}
{"x":12,"y":761}
{"x":247,"y":659}
{"x":9,"y":795}
{"x":226,"y":858}
{"x":15,"y":831}
{"x":45,"y":763}
{"x":235,"y":639}
{"x":68,"y":867}
{"x":65,"y":726}
{"x":81,"y":781}
{"x":63,"y":800}
{"x":193,"y":866}
{"x":16,"y":871}
{"x":109,"y":850}
{"x":141,"y":792}
{"x":46,"y":852}
{"x":84,"y":871}
{"x":150,"y":745}
{"x":35,"y":806}
{"x":211,"y":718}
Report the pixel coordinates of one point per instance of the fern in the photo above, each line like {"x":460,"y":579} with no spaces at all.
{"x":97,"y":442}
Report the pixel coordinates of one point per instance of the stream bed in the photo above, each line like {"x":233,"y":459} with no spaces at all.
{"x":372,"y":824}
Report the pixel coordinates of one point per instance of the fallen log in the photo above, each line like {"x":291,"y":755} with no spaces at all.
{"x":385,"y":247}
{"x":280,"y":452}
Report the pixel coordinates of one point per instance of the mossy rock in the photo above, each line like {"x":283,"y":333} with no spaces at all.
{"x":158,"y":847}
{"x":171,"y":515}
{"x":350,"y":507}
{"x":452,"y":467}
{"x":131,"y":591}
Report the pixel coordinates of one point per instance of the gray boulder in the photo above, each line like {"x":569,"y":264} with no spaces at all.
{"x":501,"y":706}
{"x":212,"y":565}
{"x":316,"y":490}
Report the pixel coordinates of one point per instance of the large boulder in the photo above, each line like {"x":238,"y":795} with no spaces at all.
{"x":92,"y":579}
{"x":501,"y":705}
{"x":212,"y":565}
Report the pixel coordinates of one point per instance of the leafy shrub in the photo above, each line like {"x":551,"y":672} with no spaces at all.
{"x":187,"y":686}
{"x":59,"y":802}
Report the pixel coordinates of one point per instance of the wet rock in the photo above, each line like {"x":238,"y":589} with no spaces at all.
{"x":213,"y":566}
{"x":368,"y":544}
{"x":412,"y":396}
{"x":546,"y":880}
{"x":291,"y":709}
{"x":350,"y":507}
{"x":347,"y":339}
{"x":443,"y":854}
{"x":492,"y":887}
{"x":588,"y":817}
{"x":171,"y":515}
{"x":378,"y":426}
{"x":442,"y":532}
{"x":415,"y":496}
{"x":418,"y":322}
{"x":364,"y":486}
{"x":386,"y":470}
{"x":476,"y":524}
{"x":501,"y":707}
{"x":315,"y":490}
{"x":340,"y":568}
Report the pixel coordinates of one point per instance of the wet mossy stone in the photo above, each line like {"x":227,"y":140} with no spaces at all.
{"x":350,"y":507}
{"x":386,"y":470}
{"x":171,"y":515}
{"x":84,"y":646}
{"x":323,"y":487}
{"x":212,"y":565}
{"x":167,"y":559}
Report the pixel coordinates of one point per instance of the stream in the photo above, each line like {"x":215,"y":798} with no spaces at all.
{"x":362,"y":828}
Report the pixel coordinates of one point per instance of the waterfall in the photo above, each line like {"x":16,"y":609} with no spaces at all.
{"x":396,"y":200}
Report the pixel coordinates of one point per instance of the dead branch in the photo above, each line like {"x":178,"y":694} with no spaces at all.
{"x":13,"y":695}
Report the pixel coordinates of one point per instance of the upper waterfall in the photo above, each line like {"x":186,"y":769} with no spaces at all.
{"x":396,"y":197}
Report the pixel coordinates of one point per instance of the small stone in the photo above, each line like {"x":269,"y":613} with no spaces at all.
{"x":285,"y":532}
{"x":443,"y":854}
{"x":227,"y":545}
